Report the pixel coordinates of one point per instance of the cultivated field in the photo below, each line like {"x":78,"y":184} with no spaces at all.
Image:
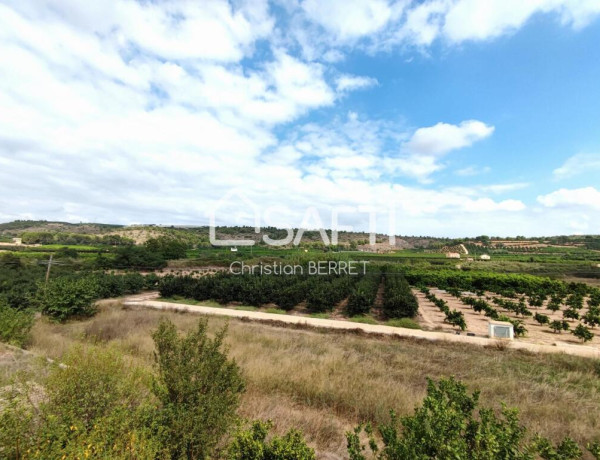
{"x":431,"y":318}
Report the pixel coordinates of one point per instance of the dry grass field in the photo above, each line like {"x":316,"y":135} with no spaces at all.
{"x":324,"y":383}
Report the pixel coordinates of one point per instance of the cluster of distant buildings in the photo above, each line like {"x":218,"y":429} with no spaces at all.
{"x":454,"y":252}
{"x":456,"y":255}
{"x":19,"y":242}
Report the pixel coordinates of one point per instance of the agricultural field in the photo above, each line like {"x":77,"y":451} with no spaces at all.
{"x":432,"y":318}
{"x":336,"y":380}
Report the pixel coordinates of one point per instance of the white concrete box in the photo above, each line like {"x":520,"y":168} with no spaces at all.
{"x":501,"y":330}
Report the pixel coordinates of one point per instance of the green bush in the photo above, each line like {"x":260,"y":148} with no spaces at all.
{"x":14,"y":325}
{"x":252,"y":444}
{"x":98,"y":405}
{"x":451,"y":425}
{"x":93,"y":407}
{"x":198,"y":389}
{"x":64,"y":298}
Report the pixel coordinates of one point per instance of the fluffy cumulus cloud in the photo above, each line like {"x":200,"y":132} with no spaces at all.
{"x":585,"y":197}
{"x":442,"y":138}
{"x":133,"y":111}
{"x":426,"y":146}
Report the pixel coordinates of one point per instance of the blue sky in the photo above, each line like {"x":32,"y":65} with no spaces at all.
{"x":466,"y":117}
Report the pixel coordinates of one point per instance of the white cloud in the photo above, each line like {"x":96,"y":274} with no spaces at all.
{"x":420,"y":154}
{"x":382,"y":24}
{"x":130,"y":111}
{"x":377,"y":148}
{"x":476,"y":20}
{"x":349,"y":19}
{"x":496,"y":189}
{"x":353,"y":82}
{"x":423,"y":23}
{"x":578,"y":164}
{"x":442,"y":138}
{"x":473,"y":171}
{"x":572,"y":198}
{"x":215,"y":29}
{"x":504,"y":188}
{"x":417,"y":166}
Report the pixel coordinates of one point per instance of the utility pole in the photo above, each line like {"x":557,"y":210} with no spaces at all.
{"x":48,"y":271}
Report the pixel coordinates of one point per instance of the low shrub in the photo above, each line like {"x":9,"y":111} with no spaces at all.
{"x":15,"y":325}
{"x":252,"y":444}
{"x":451,"y":424}
{"x":198,"y":389}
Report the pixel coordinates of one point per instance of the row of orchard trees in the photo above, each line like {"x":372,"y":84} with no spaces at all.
{"x":320,"y":292}
{"x":571,"y":295}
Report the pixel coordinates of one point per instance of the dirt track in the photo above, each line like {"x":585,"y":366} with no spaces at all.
{"x":143,"y":302}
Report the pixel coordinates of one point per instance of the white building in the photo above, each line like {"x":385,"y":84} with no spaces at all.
{"x":484,"y":257}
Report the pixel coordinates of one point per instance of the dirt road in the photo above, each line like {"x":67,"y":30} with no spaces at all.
{"x":143,"y":302}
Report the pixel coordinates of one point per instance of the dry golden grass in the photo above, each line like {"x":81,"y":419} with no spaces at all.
{"x":324,"y":383}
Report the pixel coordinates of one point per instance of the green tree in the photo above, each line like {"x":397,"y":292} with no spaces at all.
{"x":592,"y":317}
{"x":559,"y":326}
{"x":541,"y":319}
{"x":519,"y":328}
{"x":168,"y":248}
{"x":137,"y":257}
{"x":583,"y":333}
{"x":198,"y":388}
{"x":570,"y":313}
{"x":65,"y":297}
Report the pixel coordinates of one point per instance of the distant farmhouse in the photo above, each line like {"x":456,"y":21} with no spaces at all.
{"x":485,"y":257}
